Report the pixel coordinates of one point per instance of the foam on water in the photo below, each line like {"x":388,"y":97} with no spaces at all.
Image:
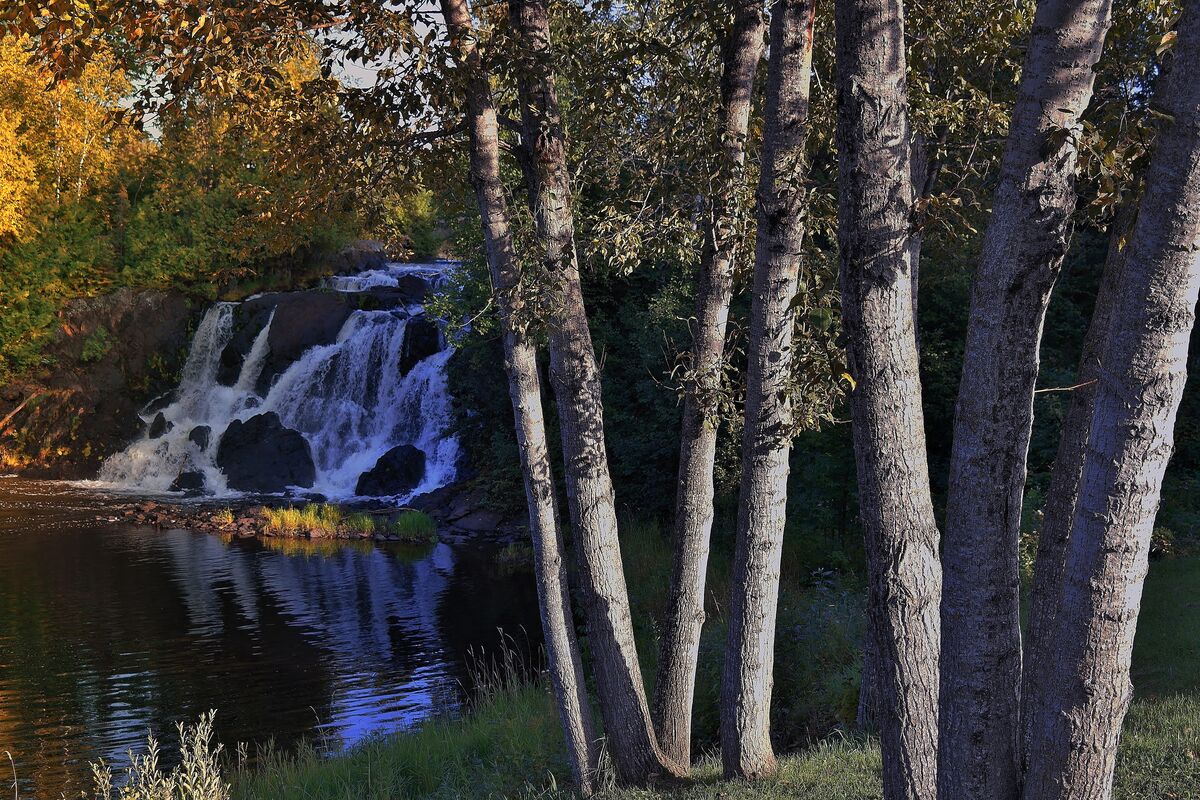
{"x":348,"y":399}
{"x":433,"y":272}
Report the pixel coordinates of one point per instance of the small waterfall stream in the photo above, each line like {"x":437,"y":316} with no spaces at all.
{"x":352,"y":400}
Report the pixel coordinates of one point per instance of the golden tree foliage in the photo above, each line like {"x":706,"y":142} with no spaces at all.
{"x":18,"y":181}
{"x":67,"y":130}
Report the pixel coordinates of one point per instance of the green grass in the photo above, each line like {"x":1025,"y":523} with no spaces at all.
{"x":361,"y":524}
{"x":328,"y":521}
{"x":415,"y":527}
{"x":509,"y":744}
{"x":316,"y":519}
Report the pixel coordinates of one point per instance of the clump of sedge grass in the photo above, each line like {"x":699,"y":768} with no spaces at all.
{"x":223,"y":517}
{"x":515,"y":556}
{"x":414,"y":527}
{"x":314,"y":519}
{"x":360,"y":524}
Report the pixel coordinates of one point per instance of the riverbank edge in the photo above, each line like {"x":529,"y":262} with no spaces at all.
{"x":508,"y":743}
{"x":459,"y":510}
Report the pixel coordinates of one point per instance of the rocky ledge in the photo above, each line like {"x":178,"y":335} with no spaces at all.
{"x":459,"y":513}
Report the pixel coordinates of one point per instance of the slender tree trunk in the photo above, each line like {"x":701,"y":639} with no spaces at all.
{"x":680,"y":645}
{"x":874,"y":219}
{"x":576,"y":380}
{"x":520,"y":361}
{"x":1061,"y":497}
{"x":1026,"y":239}
{"x":1138,"y":390}
{"x":867,"y":716}
{"x":767,"y":438}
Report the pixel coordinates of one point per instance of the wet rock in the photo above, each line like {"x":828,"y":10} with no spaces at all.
{"x":248,"y":321}
{"x":398,"y":471}
{"x":302,"y":320}
{"x":190,"y":481}
{"x":412,"y":288}
{"x":480,"y":521}
{"x":421,"y":340}
{"x":200,"y":436}
{"x":159,"y":426}
{"x":159,"y":403}
{"x":263,"y":455}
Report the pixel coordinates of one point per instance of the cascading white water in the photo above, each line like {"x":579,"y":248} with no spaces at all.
{"x":388,"y":276}
{"x":348,"y":399}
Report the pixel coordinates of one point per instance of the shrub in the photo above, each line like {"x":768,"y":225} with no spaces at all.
{"x":1162,"y":542}
{"x":198,"y":776}
{"x":96,"y":346}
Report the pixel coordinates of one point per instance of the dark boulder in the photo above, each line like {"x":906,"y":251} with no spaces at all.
{"x":263,"y":455}
{"x":358,"y":256}
{"x":200,"y":436}
{"x":249,"y":319}
{"x":412,"y":287}
{"x":421,"y":340}
{"x":302,"y":320}
{"x":159,"y":426}
{"x":398,"y":471}
{"x":159,"y":403}
{"x":190,"y":482}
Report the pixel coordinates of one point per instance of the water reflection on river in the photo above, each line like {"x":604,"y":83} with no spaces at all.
{"x":108,"y":631}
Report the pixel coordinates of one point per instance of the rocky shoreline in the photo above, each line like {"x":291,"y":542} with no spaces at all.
{"x":459,"y":511}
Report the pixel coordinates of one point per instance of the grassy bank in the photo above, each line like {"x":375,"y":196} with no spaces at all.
{"x":510,"y":746}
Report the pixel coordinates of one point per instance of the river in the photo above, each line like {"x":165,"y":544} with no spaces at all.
{"x":109,"y":631}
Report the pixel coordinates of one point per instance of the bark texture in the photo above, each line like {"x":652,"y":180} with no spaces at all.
{"x":874,"y":218}
{"x":520,"y":360}
{"x":750,"y":650}
{"x":576,"y":380}
{"x":1026,"y":239}
{"x":680,"y":645}
{"x":1061,"y":497}
{"x":867,"y":716}
{"x":1131,"y":438}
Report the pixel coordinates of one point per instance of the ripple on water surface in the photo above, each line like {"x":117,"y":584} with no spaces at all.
{"x":108,"y":631}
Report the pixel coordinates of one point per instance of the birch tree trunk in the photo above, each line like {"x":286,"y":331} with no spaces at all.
{"x":576,"y":380}
{"x":680,"y":645}
{"x":1061,"y":497}
{"x":874,"y":219}
{"x":520,"y":361}
{"x":1026,"y":239}
{"x":1131,"y":438}
{"x":767,"y":437}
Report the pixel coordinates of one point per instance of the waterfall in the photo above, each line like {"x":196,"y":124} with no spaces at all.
{"x":350,"y":400}
{"x":389,"y":276}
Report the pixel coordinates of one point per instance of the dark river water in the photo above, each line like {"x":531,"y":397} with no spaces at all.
{"x":108,"y":632}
